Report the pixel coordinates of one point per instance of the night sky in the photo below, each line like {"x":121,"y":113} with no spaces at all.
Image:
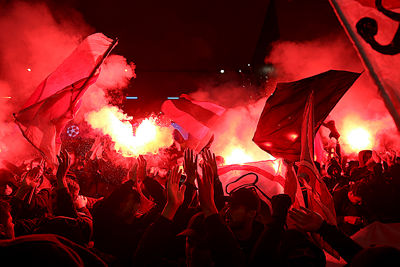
{"x":180,"y":46}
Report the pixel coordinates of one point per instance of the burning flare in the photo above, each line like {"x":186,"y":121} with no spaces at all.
{"x":358,"y":134}
{"x":359,"y":139}
{"x":149,"y":136}
{"x":237,"y":155}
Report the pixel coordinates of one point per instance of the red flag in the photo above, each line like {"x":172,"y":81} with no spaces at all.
{"x":292,"y":188}
{"x":279,"y":126}
{"x":318,"y":197}
{"x":57,"y":98}
{"x":375,"y":32}
{"x":196,"y":117}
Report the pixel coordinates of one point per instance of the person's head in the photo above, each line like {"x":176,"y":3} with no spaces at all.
{"x":220,"y":160}
{"x":264,"y":215}
{"x":364,"y":156}
{"x":353,"y":164}
{"x":6,"y":222}
{"x":73,"y":188}
{"x":125,"y":205}
{"x":334,"y":169}
{"x":197,"y":250}
{"x":243,"y":207}
{"x":297,"y":250}
{"x":7,"y":183}
{"x":129,"y":208}
{"x":376,"y":257}
{"x":356,"y":191}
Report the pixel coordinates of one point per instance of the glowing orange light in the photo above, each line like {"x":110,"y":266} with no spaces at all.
{"x":293,"y":136}
{"x":149,"y":137}
{"x":126,"y":70}
{"x":237,"y":156}
{"x":147,"y":131}
{"x":276,"y":165}
{"x":359,"y":139}
{"x":6,"y":97}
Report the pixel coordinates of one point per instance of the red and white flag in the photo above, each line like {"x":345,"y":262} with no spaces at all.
{"x":268,"y":177}
{"x":196,"y":117}
{"x":57,"y":99}
{"x":373,"y":27}
{"x":318,"y":197}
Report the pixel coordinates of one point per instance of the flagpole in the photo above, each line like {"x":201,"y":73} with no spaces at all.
{"x":367,"y":64}
{"x":105,"y":55}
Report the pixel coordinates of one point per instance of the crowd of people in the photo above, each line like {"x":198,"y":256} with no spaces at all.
{"x":183,"y":218}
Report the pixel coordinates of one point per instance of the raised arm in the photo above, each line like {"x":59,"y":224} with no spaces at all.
{"x":209,"y":158}
{"x":224,"y":248}
{"x":311,"y":221}
{"x":159,"y":234}
{"x":64,"y":205}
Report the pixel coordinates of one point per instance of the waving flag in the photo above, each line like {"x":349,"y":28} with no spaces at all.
{"x":318,"y":197}
{"x":279,"y":126}
{"x":57,"y":99}
{"x":195,"y":117}
{"x":374,"y":28}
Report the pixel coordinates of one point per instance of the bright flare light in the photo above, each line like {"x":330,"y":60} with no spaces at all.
{"x":147,"y":131}
{"x":148,"y":138}
{"x":237,"y":156}
{"x":359,"y":139}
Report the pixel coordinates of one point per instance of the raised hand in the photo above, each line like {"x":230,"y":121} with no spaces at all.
{"x":206,"y":190}
{"x":190,"y":165}
{"x":209,"y":158}
{"x":306,"y":219}
{"x":133,"y":173}
{"x":389,"y":157}
{"x":392,"y":156}
{"x":64,"y":162}
{"x":375,"y":157}
{"x":141,"y":168}
{"x":30,"y":181}
{"x":80,"y":202}
{"x":175,"y":193}
{"x":32,"y":177}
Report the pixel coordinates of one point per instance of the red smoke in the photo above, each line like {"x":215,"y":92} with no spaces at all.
{"x":35,"y":44}
{"x":234,"y":131}
{"x":361,"y":106}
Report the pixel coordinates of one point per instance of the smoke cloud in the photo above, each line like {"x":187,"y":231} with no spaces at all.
{"x":234,"y":131}
{"x":39,"y":41}
{"x":361,"y":106}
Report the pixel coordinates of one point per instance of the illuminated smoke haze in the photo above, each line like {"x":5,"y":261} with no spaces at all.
{"x":235,"y":129}
{"x":361,"y":106}
{"x":36,"y":45}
